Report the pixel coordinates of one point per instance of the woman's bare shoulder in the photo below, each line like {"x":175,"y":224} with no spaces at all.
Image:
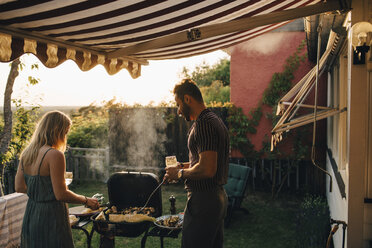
{"x":54,"y":154}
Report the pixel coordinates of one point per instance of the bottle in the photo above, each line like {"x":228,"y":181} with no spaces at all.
{"x":172,"y":200}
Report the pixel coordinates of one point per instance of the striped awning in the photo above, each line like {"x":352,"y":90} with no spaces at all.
{"x":128,"y":33}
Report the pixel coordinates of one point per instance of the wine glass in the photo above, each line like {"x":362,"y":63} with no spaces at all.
{"x":68,"y":177}
{"x":171,"y":161}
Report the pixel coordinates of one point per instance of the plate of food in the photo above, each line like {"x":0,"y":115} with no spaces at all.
{"x":83,"y":211}
{"x":73,"y":220}
{"x":169,"y":221}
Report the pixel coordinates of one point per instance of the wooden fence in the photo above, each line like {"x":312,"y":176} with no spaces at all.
{"x":144,"y":136}
{"x":283,"y":175}
{"x":88,"y":163}
{"x":94,"y":164}
{"x":286,"y":175}
{"x":10,"y":171}
{"x":159,"y":132}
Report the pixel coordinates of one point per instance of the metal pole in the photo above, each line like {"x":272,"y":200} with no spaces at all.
{"x":319,"y":30}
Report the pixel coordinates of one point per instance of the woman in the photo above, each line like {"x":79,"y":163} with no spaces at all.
{"x":41,"y":176}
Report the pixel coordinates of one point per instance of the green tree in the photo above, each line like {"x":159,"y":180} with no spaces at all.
{"x":216,"y":92}
{"x":205,"y":75}
{"x":214,"y":81}
{"x":15,"y":130}
{"x":89,"y":127}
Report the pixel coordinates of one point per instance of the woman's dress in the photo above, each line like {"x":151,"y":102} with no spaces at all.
{"x":45,"y":223}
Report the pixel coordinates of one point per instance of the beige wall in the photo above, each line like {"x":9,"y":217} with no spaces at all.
{"x":358,"y":137}
{"x":367,"y":227}
{"x":355,"y":171}
{"x":336,"y":141}
{"x":337,"y":206}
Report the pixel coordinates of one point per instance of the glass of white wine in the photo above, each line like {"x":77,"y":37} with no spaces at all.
{"x":68,"y":177}
{"x":171,"y":161}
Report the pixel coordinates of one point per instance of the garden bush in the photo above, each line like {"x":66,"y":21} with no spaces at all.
{"x":313,"y":222}
{"x":89,"y":128}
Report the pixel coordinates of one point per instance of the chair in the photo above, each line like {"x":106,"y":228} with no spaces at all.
{"x":235,"y":189}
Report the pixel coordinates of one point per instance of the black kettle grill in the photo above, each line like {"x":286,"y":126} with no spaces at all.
{"x":130,"y":189}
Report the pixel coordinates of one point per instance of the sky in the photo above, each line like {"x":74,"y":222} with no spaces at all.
{"x":67,"y":85}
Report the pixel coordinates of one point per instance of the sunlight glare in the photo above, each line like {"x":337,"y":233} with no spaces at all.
{"x":67,"y":85}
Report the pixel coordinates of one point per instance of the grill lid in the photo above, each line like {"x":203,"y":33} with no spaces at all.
{"x":132,"y":189}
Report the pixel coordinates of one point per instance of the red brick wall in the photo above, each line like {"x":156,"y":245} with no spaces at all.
{"x":252,"y":65}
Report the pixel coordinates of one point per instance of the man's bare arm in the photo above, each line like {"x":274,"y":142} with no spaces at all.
{"x":205,"y":168}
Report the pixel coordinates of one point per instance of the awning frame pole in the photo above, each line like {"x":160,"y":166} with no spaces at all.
{"x":313,"y":152}
{"x":298,"y":122}
{"x":304,"y":97}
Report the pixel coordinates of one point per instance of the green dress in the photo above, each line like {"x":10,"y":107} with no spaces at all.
{"x":45,"y":223}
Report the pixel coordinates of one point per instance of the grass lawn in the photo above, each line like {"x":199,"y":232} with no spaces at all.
{"x":270,"y":223}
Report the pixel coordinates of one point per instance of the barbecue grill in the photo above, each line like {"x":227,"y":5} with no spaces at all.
{"x":130,"y":189}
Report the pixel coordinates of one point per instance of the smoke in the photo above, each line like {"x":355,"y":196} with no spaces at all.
{"x":88,"y":163}
{"x":97,"y":160}
{"x":146,"y":137}
{"x":137,"y":138}
{"x":265,"y":44}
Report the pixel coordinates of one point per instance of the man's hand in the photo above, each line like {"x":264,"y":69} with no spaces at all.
{"x":183,"y":165}
{"x":171,"y":173}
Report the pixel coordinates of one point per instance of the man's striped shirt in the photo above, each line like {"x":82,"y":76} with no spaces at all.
{"x":208,"y":133}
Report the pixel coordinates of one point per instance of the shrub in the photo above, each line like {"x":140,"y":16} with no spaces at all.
{"x":313,"y":222}
{"x":89,"y":128}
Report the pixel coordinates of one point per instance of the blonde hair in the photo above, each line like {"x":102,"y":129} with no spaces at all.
{"x":51,"y":130}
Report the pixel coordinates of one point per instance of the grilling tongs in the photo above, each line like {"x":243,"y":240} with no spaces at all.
{"x":153,"y":192}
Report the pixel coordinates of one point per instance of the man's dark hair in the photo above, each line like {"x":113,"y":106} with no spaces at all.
{"x":187,"y":87}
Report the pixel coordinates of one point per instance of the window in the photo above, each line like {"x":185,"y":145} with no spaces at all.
{"x":337,"y":124}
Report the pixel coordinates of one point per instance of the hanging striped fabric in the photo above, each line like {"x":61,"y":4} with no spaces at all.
{"x":126,"y":34}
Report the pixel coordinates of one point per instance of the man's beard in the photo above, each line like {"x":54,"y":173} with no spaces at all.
{"x":186,"y":111}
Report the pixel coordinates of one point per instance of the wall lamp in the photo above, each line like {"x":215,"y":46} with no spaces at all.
{"x":361,"y":42}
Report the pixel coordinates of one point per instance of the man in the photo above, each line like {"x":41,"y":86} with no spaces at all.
{"x":205,"y":173}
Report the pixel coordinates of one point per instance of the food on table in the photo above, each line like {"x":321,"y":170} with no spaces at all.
{"x":171,"y":221}
{"x":131,"y":210}
{"x":132,"y":218}
{"x":112,"y":210}
{"x":89,"y":210}
{"x":137,"y":210}
{"x":131,"y":214}
{"x":99,"y":198}
{"x":73,"y":219}
{"x":101,"y":216}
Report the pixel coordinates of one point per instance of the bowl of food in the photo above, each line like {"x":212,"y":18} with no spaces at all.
{"x":170,"y":221}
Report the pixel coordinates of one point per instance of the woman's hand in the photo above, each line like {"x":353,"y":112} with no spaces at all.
{"x":92,"y":203}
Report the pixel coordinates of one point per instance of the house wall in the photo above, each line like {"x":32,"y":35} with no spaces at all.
{"x":367,"y":227}
{"x":358,"y":138}
{"x":337,"y":206}
{"x":355,"y":171}
{"x":336,"y":140}
{"x":253,"y":64}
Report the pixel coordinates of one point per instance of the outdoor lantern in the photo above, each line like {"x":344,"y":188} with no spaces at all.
{"x":360,"y":42}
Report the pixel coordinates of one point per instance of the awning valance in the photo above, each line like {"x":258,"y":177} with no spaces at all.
{"x":126,"y":34}
{"x":293,"y":100}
